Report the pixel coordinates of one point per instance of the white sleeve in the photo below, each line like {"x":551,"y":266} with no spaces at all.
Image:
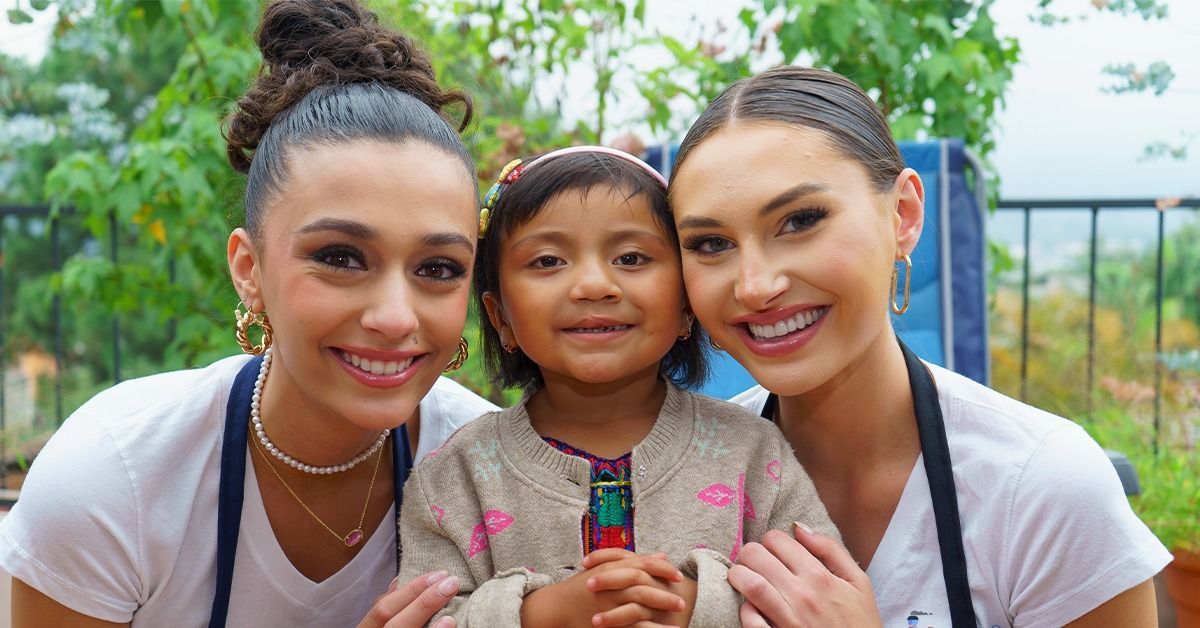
{"x":1072,"y":542}
{"x":73,"y":534}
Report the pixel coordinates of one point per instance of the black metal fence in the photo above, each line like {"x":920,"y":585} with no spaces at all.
{"x":54,"y":220}
{"x":1094,"y":207}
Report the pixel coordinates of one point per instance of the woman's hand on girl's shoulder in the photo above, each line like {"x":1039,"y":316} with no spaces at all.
{"x":413,"y":604}
{"x":807,"y":581}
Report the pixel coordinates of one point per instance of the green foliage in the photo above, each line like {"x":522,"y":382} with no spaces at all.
{"x":1169,"y":477}
{"x":1156,"y":77}
{"x":937,"y":69}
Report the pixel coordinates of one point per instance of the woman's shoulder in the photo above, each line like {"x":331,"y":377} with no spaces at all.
{"x":971,"y":407}
{"x":141,"y":424}
{"x":164,"y":393}
{"x":996,"y":439}
{"x":454,"y":404}
{"x":447,"y":407}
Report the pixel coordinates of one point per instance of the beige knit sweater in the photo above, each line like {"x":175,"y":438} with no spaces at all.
{"x":500,"y":508}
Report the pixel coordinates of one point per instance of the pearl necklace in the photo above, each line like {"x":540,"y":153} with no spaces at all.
{"x":256,"y":423}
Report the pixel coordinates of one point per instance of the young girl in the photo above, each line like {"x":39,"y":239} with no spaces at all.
{"x":579,"y":272}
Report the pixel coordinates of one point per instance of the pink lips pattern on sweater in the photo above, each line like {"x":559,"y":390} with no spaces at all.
{"x":494,"y":522}
{"x":721,"y":495}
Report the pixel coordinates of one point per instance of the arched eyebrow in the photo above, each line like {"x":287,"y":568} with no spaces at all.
{"x":360,"y":231}
{"x":346,"y":227}
{"x":789,"y":195}
{"x":448,"y":238}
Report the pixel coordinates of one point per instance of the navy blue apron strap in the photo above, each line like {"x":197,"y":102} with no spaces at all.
{"x":402,"y":464}
{"x":938,"y":468}
{"x":232,"y":486}
{"x":936,"y":450}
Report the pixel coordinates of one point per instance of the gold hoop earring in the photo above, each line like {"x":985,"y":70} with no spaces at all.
{"x":246,"y":320}
{"x":459,"y":357}
{"x":714,"y":345}
{"x":903,"y":307}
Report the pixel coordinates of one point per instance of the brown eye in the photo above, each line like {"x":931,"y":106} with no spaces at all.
{"x":340,"y":258}
{"x":441,"y":270}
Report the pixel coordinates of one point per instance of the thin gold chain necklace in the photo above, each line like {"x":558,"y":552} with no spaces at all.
{"x":352,"y":537}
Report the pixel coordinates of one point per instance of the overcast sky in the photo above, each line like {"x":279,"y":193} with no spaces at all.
{"x":1059,"y":135}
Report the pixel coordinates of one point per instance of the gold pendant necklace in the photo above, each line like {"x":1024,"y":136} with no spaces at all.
{"x":351,"y":538}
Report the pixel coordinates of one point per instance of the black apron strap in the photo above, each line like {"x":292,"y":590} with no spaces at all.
{"x":402,"y":464}
{"x":936,"y":455}
{"x":232,"y":486}
{"x":233,"y":478}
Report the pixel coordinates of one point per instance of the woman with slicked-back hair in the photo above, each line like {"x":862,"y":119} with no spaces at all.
{"x":958,"y":506}
{"x":262,"y":490}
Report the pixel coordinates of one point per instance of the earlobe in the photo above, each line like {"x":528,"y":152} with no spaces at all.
{"x":910,"y":210}
{"x":244,"y":269}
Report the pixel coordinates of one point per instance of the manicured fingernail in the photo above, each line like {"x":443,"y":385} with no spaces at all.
{"x":803,"y":528}
{"x":596,"y":620}
{"x":392,"y":586}
{"x":449,"y":586}
{"x":445,"y":622}
{"x":434,"y":578}
{"x":591,"y":582}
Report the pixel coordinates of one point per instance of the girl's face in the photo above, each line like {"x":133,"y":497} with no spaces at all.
{"x":363,"y":268}
{"x":788,"y":251}
{"x":590,"y":288}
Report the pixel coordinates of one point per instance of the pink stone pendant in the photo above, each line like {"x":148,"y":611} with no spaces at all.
{"x":353,"y":537}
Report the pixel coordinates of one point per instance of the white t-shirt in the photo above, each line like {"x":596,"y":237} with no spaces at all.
{"x":1047,"y":530}
{"x":119,"y":513}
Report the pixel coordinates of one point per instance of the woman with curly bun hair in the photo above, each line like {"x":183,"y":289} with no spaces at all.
{"x":262,"y":490}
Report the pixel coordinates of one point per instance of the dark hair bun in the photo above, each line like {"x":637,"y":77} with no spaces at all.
{"x":308,"y":44}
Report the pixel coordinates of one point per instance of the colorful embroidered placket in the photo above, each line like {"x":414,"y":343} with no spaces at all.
{"x":609,"y":519}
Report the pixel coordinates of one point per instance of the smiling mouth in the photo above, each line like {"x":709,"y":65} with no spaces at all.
{"x":788,"y":326}
{"x":598,"y":330}
{"x":376,"y":367}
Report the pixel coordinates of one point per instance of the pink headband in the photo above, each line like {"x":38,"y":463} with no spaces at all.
{"x":515,"y":168}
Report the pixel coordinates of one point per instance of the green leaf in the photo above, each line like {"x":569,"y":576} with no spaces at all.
{"x":938,"y":67}
{"x":39,"y":5}
{"x":939,"y":25}
{"x":17,"y":16}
